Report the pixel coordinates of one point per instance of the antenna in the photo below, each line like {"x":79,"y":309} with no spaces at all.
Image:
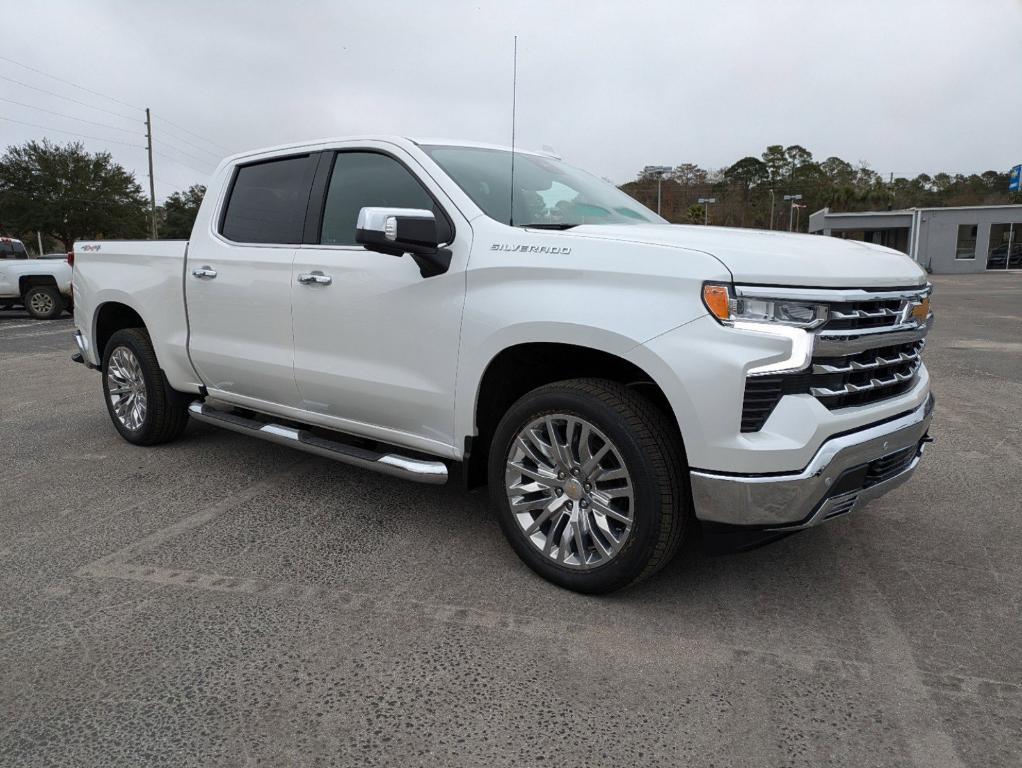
{"x":514,"y":93}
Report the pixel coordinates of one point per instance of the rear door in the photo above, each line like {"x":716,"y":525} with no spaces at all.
{"x":377,"y":347}
{"x":238,"y":283}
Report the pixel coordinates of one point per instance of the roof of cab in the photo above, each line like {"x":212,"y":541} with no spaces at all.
{"x":399,"y":140}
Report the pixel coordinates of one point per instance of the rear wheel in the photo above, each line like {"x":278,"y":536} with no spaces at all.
{"x":142,"y":406}
{"x":589,"y":481}
{"x":43,"y":302}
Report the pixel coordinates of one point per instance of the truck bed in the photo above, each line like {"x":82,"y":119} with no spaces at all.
{"x":145,"y":276}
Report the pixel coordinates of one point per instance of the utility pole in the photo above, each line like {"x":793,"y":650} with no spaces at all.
{"x":152,"y":182}
{"x":771,"y":209}
{"x":705,"y":202}
{"x":39,"y":239}
{"x":791,"y":213}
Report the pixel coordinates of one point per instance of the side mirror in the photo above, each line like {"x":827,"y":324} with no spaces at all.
{"x":397,"y":231}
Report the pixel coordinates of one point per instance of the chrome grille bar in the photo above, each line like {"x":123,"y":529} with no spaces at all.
{"x":863,"y":314}
{"x":849,"y":388}
{"x":878,"y":362}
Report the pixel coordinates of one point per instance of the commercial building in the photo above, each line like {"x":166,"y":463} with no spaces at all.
{"x":943,"y":240}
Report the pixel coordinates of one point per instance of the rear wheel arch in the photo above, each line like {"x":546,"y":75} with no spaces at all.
{"x":110,"y":317}
{"x":521,"y":368}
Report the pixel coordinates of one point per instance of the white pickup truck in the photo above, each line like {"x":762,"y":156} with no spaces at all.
{"x":41,"y":285}
{"x":617,"y":381}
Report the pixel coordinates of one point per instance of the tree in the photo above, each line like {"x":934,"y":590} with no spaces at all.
{"x":69,"y":193}
{"x":796,"y":156}
{"x":775,"y":161}
{"x":743,"y":189}
{"x":179,"y":212}
{"x":688,"y":174}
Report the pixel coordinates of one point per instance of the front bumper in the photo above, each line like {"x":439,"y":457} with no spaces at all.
{"x":847,"y":471}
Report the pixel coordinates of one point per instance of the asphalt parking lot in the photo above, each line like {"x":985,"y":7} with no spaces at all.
{"x":223,"y":601}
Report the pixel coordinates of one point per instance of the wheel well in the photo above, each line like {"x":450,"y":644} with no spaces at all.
{"x":28,"y":281}
{"x":524,"y":367}
{"x":110,"y":318}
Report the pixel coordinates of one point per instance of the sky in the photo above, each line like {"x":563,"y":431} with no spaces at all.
{"x":908,"y":86}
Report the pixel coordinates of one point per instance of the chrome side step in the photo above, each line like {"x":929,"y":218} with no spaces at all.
{"x":419,"y":470}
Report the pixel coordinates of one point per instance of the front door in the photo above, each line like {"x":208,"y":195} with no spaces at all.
{"x":376,"y":344}
{"x":238,"y":284}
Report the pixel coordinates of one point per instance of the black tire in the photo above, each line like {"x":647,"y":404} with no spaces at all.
{"x":652,"y":455}
{"x":47,"y":295}
{"x":166,"y":410}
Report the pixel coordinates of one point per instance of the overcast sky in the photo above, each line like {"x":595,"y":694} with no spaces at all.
{"x":908,"y":86}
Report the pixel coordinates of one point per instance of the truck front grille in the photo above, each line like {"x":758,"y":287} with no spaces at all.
{"x":876,"y":374}
{"x":869,"y":350}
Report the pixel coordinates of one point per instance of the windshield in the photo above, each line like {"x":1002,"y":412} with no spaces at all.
{"x":547,"y":192}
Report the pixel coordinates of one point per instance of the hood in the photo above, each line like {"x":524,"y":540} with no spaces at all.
{"x":776,"y":258}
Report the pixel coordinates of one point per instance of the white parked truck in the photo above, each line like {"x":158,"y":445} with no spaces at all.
{"x":617,"y":381}
{"x":42,"y":286}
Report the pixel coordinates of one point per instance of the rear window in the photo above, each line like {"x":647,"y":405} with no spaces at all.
{"x":12,"y":249}
{"x":268,"y":201}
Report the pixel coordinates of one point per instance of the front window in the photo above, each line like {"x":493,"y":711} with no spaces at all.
{"x":1005,"y":249}
{"x":547,"y":192}
{"x":965,"y":248}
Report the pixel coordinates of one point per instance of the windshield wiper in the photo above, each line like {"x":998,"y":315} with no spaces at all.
{"x":547,"y":226}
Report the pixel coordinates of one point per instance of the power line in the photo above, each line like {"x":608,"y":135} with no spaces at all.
{"x":71,"y":133}
{"x":68,"y":82}
{"x":70,"y":117}
{"x":164,"y":134}
{"x":192,"y":133}
{"x":66,"y":98}
{"x":192,"y":157}
{"x":175,"y":160}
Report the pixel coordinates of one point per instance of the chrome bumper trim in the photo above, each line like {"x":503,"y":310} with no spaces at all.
{"x":790,"y":501}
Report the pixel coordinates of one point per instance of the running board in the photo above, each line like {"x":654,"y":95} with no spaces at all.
{"x":419,"y":470}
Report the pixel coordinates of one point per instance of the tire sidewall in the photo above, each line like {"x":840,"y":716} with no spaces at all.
{"x":630,"y":561}
{"x":130,"y":341}
{"x":53,"y":293}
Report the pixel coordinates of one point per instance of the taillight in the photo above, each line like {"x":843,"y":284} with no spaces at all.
{"x":71,"y":258}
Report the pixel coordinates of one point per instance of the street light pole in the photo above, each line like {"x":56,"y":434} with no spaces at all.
{"x":659,"y":170}
{"x":791,"y":212}
{"x":705,"y":202}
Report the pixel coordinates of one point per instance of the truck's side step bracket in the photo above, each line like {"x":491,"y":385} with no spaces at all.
{"x":419,"y":470}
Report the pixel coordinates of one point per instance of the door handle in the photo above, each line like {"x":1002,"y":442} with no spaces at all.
{"x":314,"y":278}
{"x":204,"y":272}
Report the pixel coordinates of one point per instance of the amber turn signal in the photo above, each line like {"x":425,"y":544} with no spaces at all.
{"x":921,"y":311}
{"x":717,"y":300}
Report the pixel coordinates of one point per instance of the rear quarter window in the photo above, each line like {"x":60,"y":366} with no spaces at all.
{"x":268,"y":200}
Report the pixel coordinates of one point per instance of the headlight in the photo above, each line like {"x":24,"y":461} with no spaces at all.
{"x":729,"y":309}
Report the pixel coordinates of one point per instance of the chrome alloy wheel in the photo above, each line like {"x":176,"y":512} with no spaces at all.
{"x":126,"y":388}
{"x":41,"y":303}
{"x":570,"y":491}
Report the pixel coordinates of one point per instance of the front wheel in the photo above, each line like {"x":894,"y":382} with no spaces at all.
{"x":141,"y":404}
{"x":589,"y":480}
